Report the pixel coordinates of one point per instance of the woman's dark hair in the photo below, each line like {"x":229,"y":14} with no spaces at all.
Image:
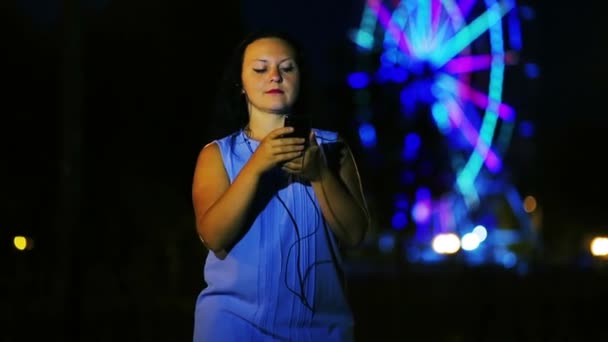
{"x":230,"y":112}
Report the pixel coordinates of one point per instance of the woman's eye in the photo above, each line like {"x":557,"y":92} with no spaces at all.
{"x":259,"y":71}
{"x":288,"y":69}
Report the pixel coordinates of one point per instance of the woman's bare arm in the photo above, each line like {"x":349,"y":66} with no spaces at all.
{"x":342,"y":200}
{"x":220,"y":207}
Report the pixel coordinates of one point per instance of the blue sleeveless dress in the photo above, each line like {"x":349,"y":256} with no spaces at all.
{"x":282,"y":281}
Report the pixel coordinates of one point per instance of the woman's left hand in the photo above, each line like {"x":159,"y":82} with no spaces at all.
{"x":310,"y":164}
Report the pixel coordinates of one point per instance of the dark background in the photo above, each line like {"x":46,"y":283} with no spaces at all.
{"x":102,"y":114}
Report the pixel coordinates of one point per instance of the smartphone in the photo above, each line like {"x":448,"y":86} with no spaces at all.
{"x":301,"y":125}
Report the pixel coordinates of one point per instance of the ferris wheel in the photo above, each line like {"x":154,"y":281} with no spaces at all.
{"x":436,"y":70}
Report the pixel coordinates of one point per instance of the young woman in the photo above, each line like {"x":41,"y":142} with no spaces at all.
{"x":274,"y":210}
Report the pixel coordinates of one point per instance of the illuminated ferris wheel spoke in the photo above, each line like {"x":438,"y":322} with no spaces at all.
{"x":439,"y":36}
{"x":449,"y":85}
{"x":478,"y":98}
{"x":435,"y":16}
{"x":468,"y":64}
{"x":459,"y":119}
{"x":469,"y":33}
{"x":468,"y":174}
{"x":454,"y":12}
{"x":419,"y":23}
{"x":384,"y":17}
{"x":420,"y":26}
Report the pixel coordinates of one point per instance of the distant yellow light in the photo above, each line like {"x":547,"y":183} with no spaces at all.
{"x":446,"y":243}
{"x":530,"y":204}
{"x":599,"y":246}
{"x":20,"y":242}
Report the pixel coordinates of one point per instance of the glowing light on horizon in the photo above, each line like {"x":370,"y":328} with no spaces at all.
{"x":469,"y":242}
{"x":529,"y":204}
{"x":481,"y":232}
{"x":599,"y":246}
{"x":446,"y":243}
{"x":23,"y":243}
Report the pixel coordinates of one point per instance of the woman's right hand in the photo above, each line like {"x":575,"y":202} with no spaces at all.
{"x":275,"y":150}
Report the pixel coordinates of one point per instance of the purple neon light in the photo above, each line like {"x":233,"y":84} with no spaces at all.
{"x":384,"y":18}
{"x":435,"y":15}
{"x":465,"y":7}
{"x":459,"y":119}
{"x":465,"y":64}
{"x":482,"y":101}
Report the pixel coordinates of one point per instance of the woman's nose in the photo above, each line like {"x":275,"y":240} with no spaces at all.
{"x":275,"y":75}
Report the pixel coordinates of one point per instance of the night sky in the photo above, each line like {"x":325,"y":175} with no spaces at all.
{"x":138,"y":82}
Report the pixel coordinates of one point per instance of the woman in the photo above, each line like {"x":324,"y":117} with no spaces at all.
{"x":273,"y":211}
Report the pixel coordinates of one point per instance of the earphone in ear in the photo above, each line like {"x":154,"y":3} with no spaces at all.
{"x":240,"y":88}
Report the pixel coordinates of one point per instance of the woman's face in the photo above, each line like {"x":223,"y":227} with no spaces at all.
{"x":270,"y":75}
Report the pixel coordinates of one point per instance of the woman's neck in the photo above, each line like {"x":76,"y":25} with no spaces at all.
{"x":260,"y":124}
